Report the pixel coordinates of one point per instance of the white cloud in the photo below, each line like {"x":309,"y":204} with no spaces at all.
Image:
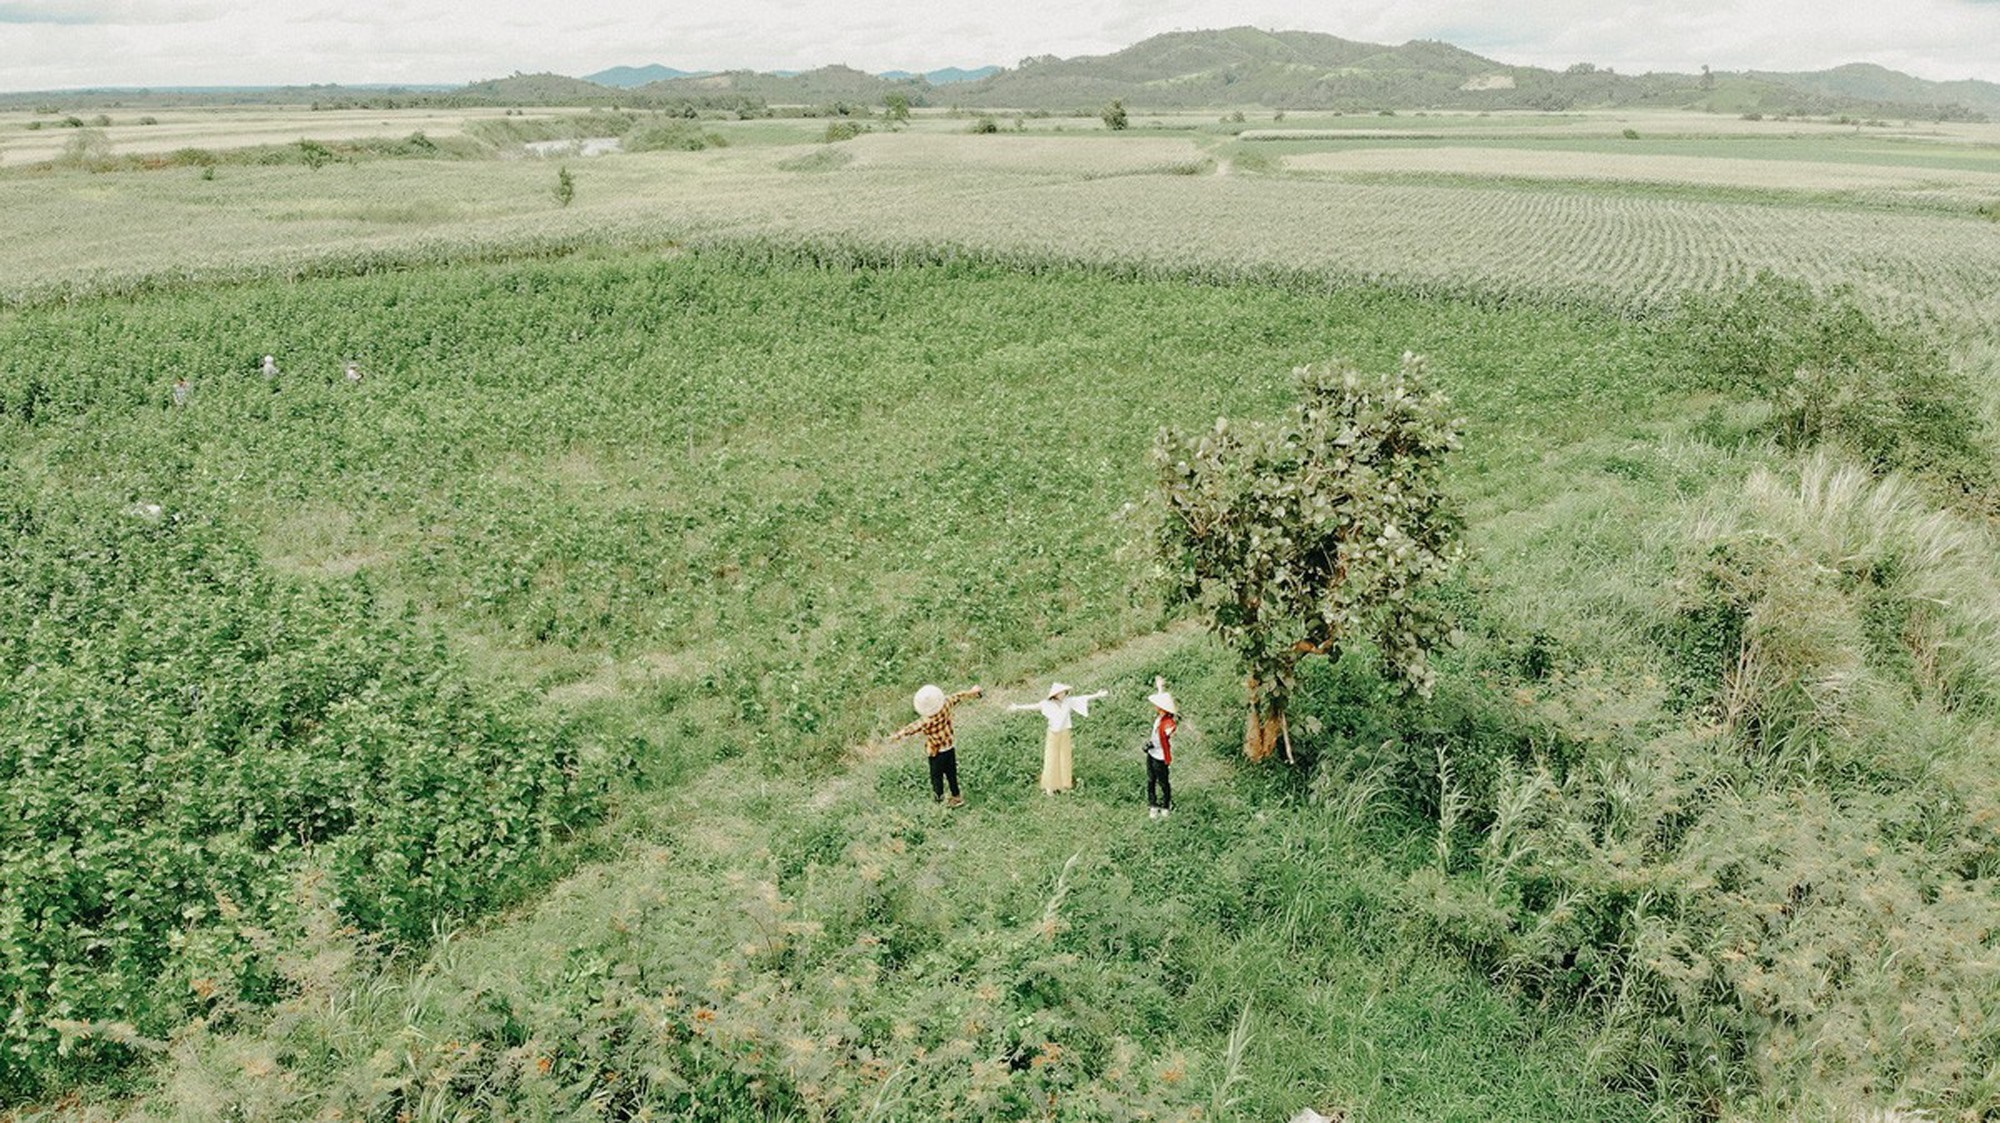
{"x":66,"y":43}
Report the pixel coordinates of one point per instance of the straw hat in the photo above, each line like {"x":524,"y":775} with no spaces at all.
{"x":929,"y":700}
{"x":1058,"y":688}
{"x":1161,"y":698}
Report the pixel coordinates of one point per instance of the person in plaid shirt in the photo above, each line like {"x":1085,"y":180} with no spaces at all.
{"x":934,"y":710}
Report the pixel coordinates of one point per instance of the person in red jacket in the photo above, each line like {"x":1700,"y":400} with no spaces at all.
{"x":1160,"y":752}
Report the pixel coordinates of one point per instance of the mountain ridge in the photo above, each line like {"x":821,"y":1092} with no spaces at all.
{"x":1227,"y":67}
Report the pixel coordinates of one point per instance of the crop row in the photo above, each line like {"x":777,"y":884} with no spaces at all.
{"x":1632,"y":251}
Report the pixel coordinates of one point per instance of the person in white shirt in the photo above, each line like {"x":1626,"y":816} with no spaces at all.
{"x":353,"y":371}
{"x":270,"y":367}
{"x":1058,"y":752}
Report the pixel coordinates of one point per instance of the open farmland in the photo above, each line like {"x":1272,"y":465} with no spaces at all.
{"x":1141,"y":203}
{"x":679,"y":489}
{"x":27,"y":137}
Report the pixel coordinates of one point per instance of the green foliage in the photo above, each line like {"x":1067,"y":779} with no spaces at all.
{"x":181,"y":732}
{"x":837,"y":131}
{"x":896,"y":106}
{"x":671,"y":134}
{"x":1114,"y":115}
{"x":1831,"y":372}
{"x":1318,"y":533}
{"x":1767,"y":868}
{"x":315,"y":155}
{"x":984,"y":123}
{"x":565,"y":189}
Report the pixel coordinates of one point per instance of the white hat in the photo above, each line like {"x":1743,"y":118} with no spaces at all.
{"x":929,"y":700}
{"x":1161,"y":698}
{"x":1058,"y":688}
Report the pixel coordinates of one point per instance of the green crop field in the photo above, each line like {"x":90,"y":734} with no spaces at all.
{"x":504,"y":735}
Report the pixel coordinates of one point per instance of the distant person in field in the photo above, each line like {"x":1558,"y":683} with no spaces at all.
{"x":1058,"y":755}
{"x":182,"y":390}
{"x":270,"y":367}
{"x":1160,"y":752}
{"x":934,"y":721}
{"x":353,"y":371}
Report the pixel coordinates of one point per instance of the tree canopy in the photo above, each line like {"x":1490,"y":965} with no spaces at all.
{"x":1316,"y":532}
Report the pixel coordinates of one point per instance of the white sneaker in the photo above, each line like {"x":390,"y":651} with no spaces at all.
{"x":1152,"y":812}
{"x":1165,"y":812}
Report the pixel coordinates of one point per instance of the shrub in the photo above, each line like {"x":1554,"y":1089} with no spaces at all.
{"x":1831,"y":372}
{"x":89,"y":149}
{"x":1114,"y":116}
{"x":984,"y":123}
{"x":672,"y":135}
{"x":837,"y":131}
{"x":314,"y":154}
{"x":565,"y":190}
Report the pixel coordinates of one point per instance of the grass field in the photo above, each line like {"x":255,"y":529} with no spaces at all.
{"x":692,"y":481}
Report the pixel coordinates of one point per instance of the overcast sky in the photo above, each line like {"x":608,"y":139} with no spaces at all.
{"x":59,"y":44}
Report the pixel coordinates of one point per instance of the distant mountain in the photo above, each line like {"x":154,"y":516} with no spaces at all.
{"x":812,"y":87}
{"x":628,"y":77}
{"x":1246,"y":65}
{"x":1869,"y":82}
{"x":1238,"y":66}
{"x":945,"y":77}
{"x":1310,"y":70}
{"x":536,"y":89}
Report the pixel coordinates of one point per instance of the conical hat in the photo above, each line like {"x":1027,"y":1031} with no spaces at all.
{"x":1164,"y":701}
{"x":929,"y":700}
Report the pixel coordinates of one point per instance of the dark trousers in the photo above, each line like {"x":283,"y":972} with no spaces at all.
{"x":1159,"y":785}
{"x":944,"y":769}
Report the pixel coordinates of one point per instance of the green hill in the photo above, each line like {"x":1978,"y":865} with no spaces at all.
{"x":539,"y":89}
{"x":1869,"y":82}
{"x":1309,"y":70}
{"x":812,"y":87}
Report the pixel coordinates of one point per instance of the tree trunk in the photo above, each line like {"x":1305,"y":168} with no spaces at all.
{"x":1264,"y":726}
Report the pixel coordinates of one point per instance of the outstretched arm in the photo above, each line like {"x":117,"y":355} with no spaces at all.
{"x":969,"y":692}
{"x":909,"y":730}
{"x":1025,"y":706}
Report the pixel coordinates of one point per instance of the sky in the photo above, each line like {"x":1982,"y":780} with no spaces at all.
{"x":65,"y":44}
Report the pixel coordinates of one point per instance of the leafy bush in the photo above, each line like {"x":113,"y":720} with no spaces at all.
{"x":840,"y":130}
{"x":984,"y":123}
{"x":1831,"y":372}
{"x":181,"y":732}
{"x":672,"y":135}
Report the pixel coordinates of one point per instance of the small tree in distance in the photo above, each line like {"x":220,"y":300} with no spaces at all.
{"x":1316,"y":533}
{"x":1114,"y":115}
{"x":565,"y":187}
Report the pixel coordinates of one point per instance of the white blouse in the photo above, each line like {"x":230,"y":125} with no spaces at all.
{"x":1058,"y":710}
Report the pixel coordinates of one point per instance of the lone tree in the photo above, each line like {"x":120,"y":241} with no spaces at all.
{"x":1114,"y":115}
{"x":1317,"y":532}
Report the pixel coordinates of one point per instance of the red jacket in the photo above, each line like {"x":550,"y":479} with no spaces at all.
{"x":1163,"y":736}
